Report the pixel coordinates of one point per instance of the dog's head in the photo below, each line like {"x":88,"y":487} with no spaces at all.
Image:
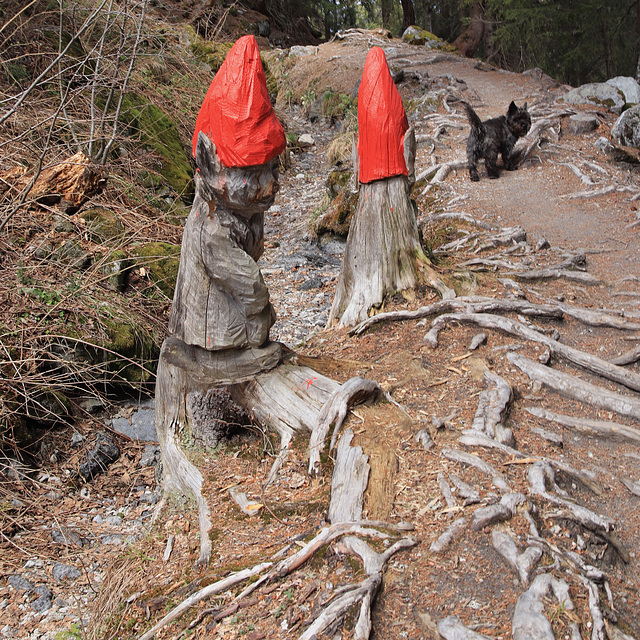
{"x":518,"y":120}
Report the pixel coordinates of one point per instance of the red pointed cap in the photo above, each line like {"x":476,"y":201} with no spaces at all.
{"x":237,"y":114}
{"x":382,"y":121}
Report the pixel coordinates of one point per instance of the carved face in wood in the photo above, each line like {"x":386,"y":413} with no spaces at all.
{"x":243,"y":190}
{"x":248,"y":189}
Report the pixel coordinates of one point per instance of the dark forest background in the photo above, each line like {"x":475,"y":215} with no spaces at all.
{"x":575,"y":42}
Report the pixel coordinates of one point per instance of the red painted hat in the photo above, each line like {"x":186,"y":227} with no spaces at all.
{"x":382,"y":121}
{"x":237,"y":114}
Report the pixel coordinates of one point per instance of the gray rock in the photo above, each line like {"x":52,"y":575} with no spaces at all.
{"x":66,"y":536}
{"x":18,"y":583}
{"x":416,"y":35}
{"x":312,"y":283}
{"x":114,"y":521}
{"x":141,"y":426}
{"x":104,"y":453}
{"x":150,"y":456}
{"x":582,"y":123}
{"x":629,"y":87}
{"x":599,"y":94}
{"x":62,"y":571}
{"x":306,"y":140}
{"x":112,"y":538}
{"x":150,"y":497}
{"x":41,"y":604}
{"x":626,"y":130}
{"x":298,"y":50}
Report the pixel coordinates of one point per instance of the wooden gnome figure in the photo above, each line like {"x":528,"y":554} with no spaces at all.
{"x":221,"y":314}
{"x":221,"y":301}
{"x":383,"y":253}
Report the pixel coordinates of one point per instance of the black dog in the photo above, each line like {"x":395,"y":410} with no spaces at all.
{"x":496,"y":136}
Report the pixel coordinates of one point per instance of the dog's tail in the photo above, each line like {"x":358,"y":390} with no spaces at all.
{"x":472,"y":116}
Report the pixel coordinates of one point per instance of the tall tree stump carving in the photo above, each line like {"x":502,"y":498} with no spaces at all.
{"x":383,"y":255}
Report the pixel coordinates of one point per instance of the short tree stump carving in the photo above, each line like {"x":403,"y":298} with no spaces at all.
{"x":383,"y":255}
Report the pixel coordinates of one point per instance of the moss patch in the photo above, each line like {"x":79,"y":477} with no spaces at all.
{"x":159,"y":133}
{"x":161,"y":260}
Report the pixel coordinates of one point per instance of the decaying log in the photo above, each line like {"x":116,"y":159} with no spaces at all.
{"x":575,"y":356}
{"x":589,"y":427}
{"x":529,"y":622}
{"x":348,"y":481}
{"x":69,"y":184}
{"x":492,"y":406}
{"x":577,"y":389}
{"x":354,"y":391}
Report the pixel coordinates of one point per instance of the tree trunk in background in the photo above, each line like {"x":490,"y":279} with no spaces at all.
{"x":469,"y":41}
{"x":638,"y":33}
{"x":408,"y":14}
{"x":427,"y":9}
{"x":385,"y":7}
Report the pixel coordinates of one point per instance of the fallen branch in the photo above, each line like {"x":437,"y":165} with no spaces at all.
{"x":628,"y":357}
{"x":575,"y":356}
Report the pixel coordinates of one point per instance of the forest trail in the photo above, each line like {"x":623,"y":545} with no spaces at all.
{"x":430,"y":482}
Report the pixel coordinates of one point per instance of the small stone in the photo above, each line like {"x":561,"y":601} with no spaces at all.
{"x":114,"y":521}
{"x":104,"y":453}
{"x":18,"y":583}
{"x":41,"y":604}
{"x":305,"y":141}
{"x":542,"y":243}
{"x":112,"y":539}
{"x":66,"y":536}
{"x":76,"y":439}
{"x":582,"y":123}
{"x":150,"y":456}
{"x":62,"y":571}
{"x":150,"y":497}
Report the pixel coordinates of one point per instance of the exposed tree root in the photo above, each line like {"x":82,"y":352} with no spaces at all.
{"x":576,"y":388}
{"x":586,"y":361}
